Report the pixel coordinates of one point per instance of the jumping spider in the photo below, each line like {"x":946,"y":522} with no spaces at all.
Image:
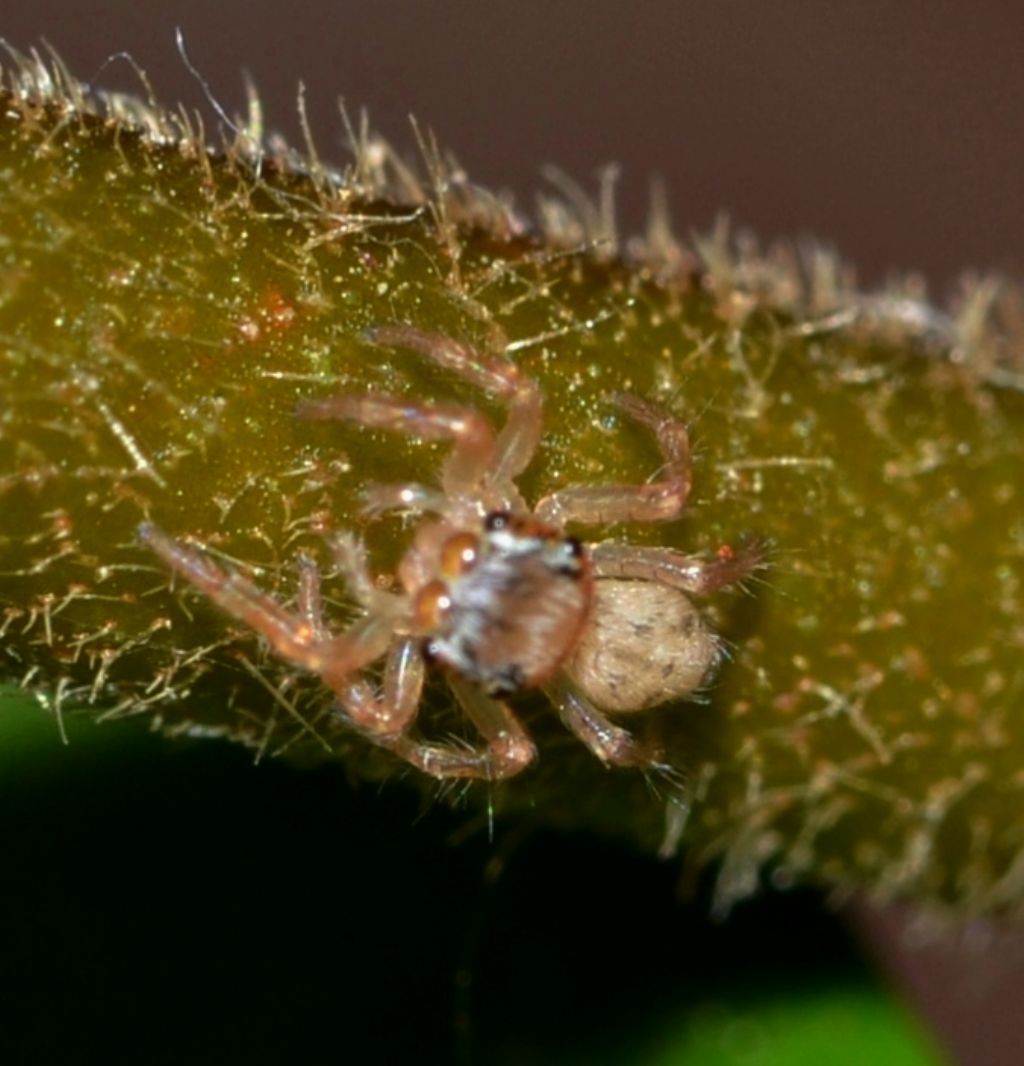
{"x":497,"y":594}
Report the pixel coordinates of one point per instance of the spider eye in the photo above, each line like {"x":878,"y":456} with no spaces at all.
{"x":574,"y":546}
{"x":496,"y":520}
{"x":432,"y":604}
{"x":459,"y":554}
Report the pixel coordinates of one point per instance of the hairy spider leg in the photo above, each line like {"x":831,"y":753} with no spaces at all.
{"x":297,"y":638}
{"x":610,"y":743}
{"x":689,"y":573}
{"x":508,"y":748}
{"x":469,"y":460}
{"x":402,"y":496}
{"x":304,"y":640}
{"x":518,"y":439}
{"x":385,"y":720}
{"x":657,"y":501}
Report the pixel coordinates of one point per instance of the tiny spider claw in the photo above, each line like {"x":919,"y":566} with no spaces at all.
{"x":667,"y":774}
{"x":753,"y":554}
{"x":648,"y":755}
{"x":760,"y":548}
{"x":668,"y":783}
{"x":499,"y":596}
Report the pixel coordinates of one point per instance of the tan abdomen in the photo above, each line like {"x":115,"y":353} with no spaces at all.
{"x":646,"y":645}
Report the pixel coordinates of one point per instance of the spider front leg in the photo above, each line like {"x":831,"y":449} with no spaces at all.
{"x":386,"y":721}
{"x":299,"y":639}
{"x":507,"y":752}
{"x":302,"y":639}
{"x":658,"y":501}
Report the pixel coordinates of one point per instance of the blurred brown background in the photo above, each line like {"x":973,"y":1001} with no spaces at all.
{"x":891,"y":128}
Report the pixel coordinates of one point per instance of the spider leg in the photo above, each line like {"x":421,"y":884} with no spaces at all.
{"x":407,"y":496}
{"x":296,"y":638}
{"x":501,"y":378}
{"x":520,"y":435}
{"x":386,"y":722}
{"x":657,"y":501}
{"x":613,"y":745}
{"x":509,"y":747}
{"x":469,"y":460}
{"x":690,"y":573}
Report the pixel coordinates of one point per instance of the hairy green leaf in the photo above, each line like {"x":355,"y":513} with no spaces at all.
{"x":164,"y":307}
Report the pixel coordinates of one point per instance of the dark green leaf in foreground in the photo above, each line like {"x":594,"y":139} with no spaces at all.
{"x":164,"y":308}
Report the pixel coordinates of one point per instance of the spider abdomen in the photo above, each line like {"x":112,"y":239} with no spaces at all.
{"x":647,"y":644}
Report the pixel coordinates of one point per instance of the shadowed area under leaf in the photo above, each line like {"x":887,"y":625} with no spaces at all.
{"x":165,"y":901}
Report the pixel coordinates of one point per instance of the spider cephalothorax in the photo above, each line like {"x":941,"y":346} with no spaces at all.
{"x":509,"y":605}
{"x":498,"y":595}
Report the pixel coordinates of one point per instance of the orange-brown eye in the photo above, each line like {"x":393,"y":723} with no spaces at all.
{"x":459,"y":554}
{"x":432,"y":601}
